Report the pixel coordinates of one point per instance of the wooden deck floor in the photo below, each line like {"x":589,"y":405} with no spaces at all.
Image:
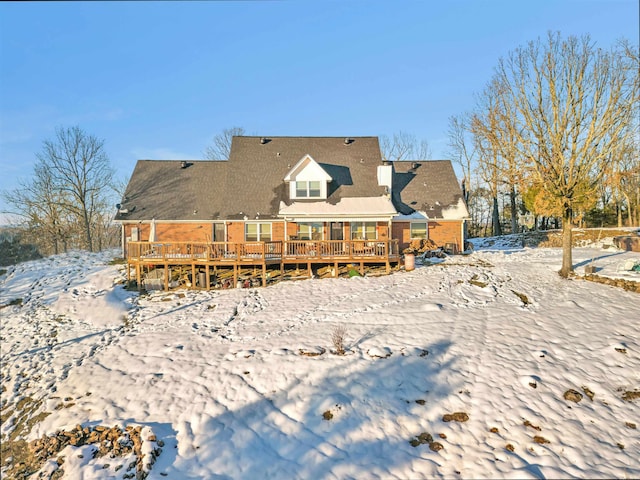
{"x":199,"y":259}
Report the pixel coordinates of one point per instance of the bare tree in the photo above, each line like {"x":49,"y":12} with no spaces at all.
{"x":484,"y":124}
{"x":403,"y":146}
{"x":221,"y":146}
{"x":571,"y":103}
{"x":37,"y":204}
{"x":81,"y":175}
{"x":462,"y":150}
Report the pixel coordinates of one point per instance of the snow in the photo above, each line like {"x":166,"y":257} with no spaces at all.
{"x":380,"y":208}
{"x":242,"y":383}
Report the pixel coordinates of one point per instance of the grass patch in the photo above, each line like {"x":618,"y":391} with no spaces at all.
{"x":117,"y":261}
{"x":523,"y":298}
{"x":478,"y":283}
{"x":631,"y":396}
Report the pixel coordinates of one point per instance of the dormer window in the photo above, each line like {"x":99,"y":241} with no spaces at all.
{"x":308,"y":189}
{"x":307,"y":180}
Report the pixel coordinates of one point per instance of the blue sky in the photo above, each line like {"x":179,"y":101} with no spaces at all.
{"x":159,"y":79}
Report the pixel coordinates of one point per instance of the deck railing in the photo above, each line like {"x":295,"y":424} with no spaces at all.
{"x":318,"y":250}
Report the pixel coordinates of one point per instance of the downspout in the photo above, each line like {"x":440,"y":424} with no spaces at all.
{"x":122,"y":240}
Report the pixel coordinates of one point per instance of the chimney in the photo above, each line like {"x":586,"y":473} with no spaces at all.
{"x":385,"y":175}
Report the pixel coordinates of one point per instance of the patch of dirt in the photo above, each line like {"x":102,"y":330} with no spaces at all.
{"x":455,"y":417}
{"x":311,"y":352}
{"x":588,"y":392}
{"x":523,"y":298}
{"x":327,"y":415}
{"x":510,"y":447}
{"x":540,"y":440}
{"x":628,"y":285}
{"x":630,"y":396}
{"x":478,"y":283}
{"x":527,"y":423}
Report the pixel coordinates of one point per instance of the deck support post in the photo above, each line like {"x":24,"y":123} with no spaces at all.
{"x":166,"y":277}
{"x":207,"y":281}
{"x":235,"y":275}
{"x":193,"y":275}
{"x":264,"y":274}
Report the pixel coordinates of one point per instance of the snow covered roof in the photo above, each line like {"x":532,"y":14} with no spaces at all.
{"x":372,"y":208}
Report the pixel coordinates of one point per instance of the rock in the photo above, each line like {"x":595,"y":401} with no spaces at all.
{"x":572,"y":395}
{"x":435,"y":446}
{"x":456,"y":417}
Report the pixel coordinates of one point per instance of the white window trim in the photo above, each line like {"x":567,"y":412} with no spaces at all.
{"x":311,"y":224}
{"x":258,"y":233}
{"x":426,"y":224}
{"x":351,"y":229}
{"x":308,"y":189}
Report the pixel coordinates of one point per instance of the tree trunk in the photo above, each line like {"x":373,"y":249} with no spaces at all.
{"x":514,"y":213}
{"x":87,"y":230}
{"x":497,"y":228}
{"x":567,"y":259}
{"x":619,"y":212}
{"x":629,"y":215}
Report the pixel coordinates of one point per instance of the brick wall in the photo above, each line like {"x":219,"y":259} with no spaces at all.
{"x":441,"y":232}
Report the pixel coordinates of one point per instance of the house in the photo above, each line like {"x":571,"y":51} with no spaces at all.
{"x":285,"y":201}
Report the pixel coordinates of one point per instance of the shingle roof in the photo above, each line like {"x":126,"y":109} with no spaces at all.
{"x":429,"y":186}
{"x":251,"y":183}
{"x":163,"y":190}
{"x":257,"y":169}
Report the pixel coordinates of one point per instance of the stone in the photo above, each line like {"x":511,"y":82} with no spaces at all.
{"x":572,"y":396}
{"x":456,"y":417}
{"x":435,"y":446}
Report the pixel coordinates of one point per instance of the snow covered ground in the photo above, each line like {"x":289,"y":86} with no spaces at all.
{"x":243,"y":383}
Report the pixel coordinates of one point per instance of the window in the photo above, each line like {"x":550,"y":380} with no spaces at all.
{"x":310,"y":231}
{"x":310,"y":189}
{"x":257,"y":232}
{"x":363,"y":231}
{"x":419,"y":230}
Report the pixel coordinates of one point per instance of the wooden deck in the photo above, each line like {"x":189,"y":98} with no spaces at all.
{"x":201,"y":257}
